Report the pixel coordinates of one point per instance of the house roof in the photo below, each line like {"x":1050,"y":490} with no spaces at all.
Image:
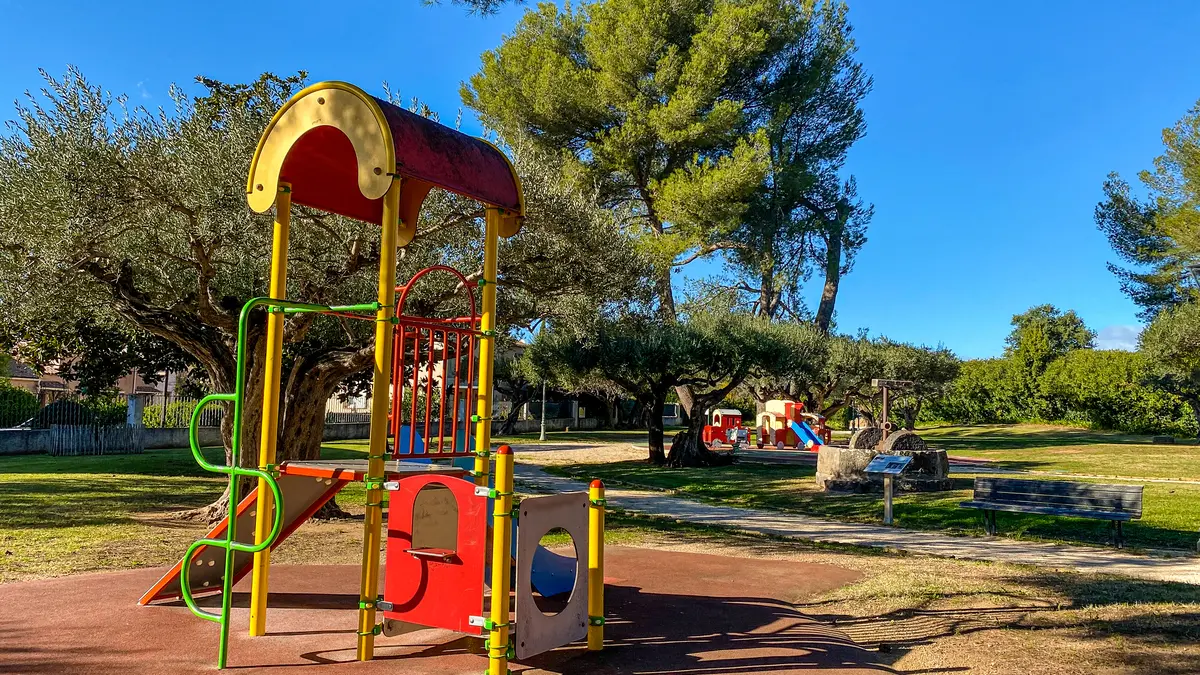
{"x":20,"y":371}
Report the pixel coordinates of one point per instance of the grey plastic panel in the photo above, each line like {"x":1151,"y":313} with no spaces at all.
{"x":535,"y":631}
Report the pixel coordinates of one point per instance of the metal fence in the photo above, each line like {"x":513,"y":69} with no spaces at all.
{"x":355,"y":410}
{"x":21,"y":410}
{"x":96,"y":439}
{"x":75,"y":425}
{"x":170,"y":411}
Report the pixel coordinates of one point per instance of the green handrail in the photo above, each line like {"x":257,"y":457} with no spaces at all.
{"x":235,"y":472}
{"x":228,"y":543}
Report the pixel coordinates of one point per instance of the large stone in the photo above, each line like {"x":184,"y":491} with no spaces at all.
{"x":866,"y":438}
{"x":842,"y":468}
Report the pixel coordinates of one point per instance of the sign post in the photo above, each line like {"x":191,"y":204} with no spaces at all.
{"x":889,"y":466}
{"x":887,"y":499}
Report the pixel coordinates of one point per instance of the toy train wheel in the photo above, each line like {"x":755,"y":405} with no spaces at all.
{"x":714,"y":445}
{"x":779,"y":445}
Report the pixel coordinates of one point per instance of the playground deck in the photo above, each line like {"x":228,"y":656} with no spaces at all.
{"x":668,"y":612}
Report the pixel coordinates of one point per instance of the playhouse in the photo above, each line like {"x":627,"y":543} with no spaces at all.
{"x":785,"y":424}
{"x":453,"y":531}
{"x":726,"y":429}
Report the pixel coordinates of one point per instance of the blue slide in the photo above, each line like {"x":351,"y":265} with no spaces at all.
{"x":806,"y":435}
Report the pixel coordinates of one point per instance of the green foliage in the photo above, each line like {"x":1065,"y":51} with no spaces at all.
{"x":711,"y":353}
{"x":1171,"y":344}
{"x":930,"y":369}
{"x":1158,"y":237}
{"x":120,"y":221}
{"x":93,"y":349}
{"x":739,"y":400}
{"x":1106,"y":389}
{"x":1051,"y":374}
{"x":178,"y":415}
{"x":16,"y":405}
{"x":985,"y":392}
{"x":670,"y":109}
{"x":835,"y":373}
{"x":1043,"y":333}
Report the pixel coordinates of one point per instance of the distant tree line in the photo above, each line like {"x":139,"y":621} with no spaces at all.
{"x":1051,"y":373}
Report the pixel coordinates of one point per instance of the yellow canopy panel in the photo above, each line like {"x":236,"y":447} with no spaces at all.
{"x":338,"y":147}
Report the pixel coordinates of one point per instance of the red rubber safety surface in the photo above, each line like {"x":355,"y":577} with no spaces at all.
{"x":667,"y":613}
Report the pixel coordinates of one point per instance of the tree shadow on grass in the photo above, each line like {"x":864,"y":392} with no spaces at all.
{"x":1136,"y":604}
{"x":54,"y":502}
{"x":989,"y":437}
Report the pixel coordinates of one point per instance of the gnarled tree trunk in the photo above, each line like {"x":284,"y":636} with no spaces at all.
{"x":688,"y":449}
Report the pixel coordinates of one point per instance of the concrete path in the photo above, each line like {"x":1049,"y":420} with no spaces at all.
{"x":1183,"y":568}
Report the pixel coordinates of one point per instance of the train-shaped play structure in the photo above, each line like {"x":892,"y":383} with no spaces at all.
{"x":782,"y":425}
{"x":454,"y":535}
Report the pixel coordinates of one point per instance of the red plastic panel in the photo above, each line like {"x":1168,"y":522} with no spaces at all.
{"x":323,"y":168}
{"x":449,"y":159}
{"x":323,"y":171}
{"x":441,"y":591}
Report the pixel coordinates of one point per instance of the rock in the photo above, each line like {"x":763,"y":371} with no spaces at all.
{"x":903,"y":440}
{"x":866,"y":438}
{"x":841,"y":468}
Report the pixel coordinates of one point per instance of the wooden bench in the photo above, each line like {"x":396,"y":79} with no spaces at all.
{"x":1114,"y":503}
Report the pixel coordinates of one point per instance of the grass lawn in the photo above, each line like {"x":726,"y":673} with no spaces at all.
{"x":1171,"y":511}
{"x":1032,"y":447}
{"x":68,"y":515}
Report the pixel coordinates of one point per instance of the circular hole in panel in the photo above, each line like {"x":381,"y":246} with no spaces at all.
{"x":559,"y":542}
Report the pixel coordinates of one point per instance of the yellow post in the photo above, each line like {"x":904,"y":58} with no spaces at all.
{"x":595,"y":600}
{"x":487,"y":324}
{"x":270,"y":413}
{"x":380,"y":402}
{"x":501,"y":562}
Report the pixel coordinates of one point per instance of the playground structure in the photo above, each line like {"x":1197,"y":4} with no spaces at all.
{"x":725,"y":429}
{"x":335,"y":148}
{"x":784,"y":424}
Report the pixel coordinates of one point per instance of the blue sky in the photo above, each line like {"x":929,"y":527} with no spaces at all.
{"x":990,"y":130}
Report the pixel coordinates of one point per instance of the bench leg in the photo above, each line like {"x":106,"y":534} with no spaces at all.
{"x":989,"y":522}
{"x":1120,"y":535}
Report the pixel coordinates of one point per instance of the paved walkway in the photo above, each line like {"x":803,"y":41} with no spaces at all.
{"x":1058,"y":556}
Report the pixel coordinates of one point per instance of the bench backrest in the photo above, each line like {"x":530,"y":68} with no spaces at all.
{"x":1064,"y":494}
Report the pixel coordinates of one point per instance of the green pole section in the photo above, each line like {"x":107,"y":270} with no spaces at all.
{"x":235,"y":472}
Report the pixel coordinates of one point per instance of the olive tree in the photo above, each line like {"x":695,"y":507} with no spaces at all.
{"x":139,"y":216}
